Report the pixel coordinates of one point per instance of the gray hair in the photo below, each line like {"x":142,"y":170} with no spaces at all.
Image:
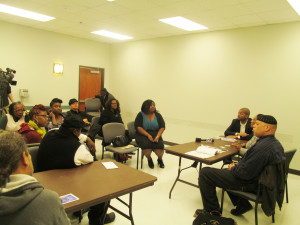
{"x":12,"y":145}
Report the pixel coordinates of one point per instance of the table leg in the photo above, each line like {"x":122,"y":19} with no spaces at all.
{"x":129,"y":205}
{"x":177,"y":178}
{"x":183,"y":181}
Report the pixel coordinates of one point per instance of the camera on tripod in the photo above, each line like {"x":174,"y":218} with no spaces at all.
{"x":8,"y":75}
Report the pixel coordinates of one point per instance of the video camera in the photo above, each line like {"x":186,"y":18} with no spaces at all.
{"x":8,"y":75}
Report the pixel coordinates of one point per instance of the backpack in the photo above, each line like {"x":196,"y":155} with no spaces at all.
{"x":208,"y":219}
{"x":120,"y":141}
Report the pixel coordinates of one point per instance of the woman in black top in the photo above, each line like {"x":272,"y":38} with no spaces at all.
{"x":112,"y":113}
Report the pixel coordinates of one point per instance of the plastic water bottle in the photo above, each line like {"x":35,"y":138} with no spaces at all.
{"x":50,"y":126}
{"x":210,"y":140}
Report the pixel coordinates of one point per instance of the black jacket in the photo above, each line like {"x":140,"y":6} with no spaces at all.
{"x":272,"y":180}
{"x":235,"y":127}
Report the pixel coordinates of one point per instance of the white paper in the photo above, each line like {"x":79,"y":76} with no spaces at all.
{"x":109,"y":165}
{"x":203,"y":152}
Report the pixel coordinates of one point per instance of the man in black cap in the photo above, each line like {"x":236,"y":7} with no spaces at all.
{"x":243,"y":175}
{"x":74,"y":110}
{"x":63,"y":149}
{"x":104,"y":97}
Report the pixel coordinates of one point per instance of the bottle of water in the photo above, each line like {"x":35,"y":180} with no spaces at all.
{"x":50,"y":126}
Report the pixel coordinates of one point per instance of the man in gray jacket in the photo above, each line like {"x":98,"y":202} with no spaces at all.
{"x":23,"y":199}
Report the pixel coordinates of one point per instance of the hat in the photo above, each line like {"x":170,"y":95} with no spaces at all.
{"x":73,"y":121}
{"x":267,"y":119}
{"x":72,"y":101}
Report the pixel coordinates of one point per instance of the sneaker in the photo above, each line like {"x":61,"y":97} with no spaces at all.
{"x":241,"y":209}
{"x":110,"y":217}
{"x":160,"y":163}
{"x":150,"y":163}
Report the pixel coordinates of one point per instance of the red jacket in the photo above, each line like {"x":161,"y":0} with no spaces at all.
{"x":30,"y":135}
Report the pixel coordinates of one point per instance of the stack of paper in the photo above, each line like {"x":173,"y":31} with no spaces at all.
{"x":203,"y":152}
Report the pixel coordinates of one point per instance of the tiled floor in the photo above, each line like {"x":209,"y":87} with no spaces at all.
{"x":152,"y":206}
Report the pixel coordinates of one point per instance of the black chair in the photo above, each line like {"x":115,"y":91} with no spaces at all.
{"x":288,"y":158}
{"x":257,"y":198}
{"x":33,"y":151}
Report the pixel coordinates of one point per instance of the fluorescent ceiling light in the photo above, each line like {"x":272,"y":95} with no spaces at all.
{"x":296,"y":5}
{"x":24,"y":13}
{"x":183,"y":23}
{"x":111,"y":34}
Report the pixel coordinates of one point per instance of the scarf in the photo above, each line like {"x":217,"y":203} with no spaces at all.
{"x":40,"y":130}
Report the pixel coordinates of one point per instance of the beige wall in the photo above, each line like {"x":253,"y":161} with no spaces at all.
{"x":32,"y":52}
{"x":200,"y":81}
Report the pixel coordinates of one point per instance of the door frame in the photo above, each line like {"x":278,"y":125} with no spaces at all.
{"x":90,"y":67}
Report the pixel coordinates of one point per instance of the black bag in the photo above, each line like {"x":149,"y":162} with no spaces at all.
{"x":208,"y":219}
{"x":120,"y":141}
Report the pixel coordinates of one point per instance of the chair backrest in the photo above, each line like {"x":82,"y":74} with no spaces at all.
{"x":111,"y":130}
{"x":288,"y":158}
{"x":95,"y":119}
{"x":33,"y":150}
{"x":131,"y":129}
{"x":92,"y":104}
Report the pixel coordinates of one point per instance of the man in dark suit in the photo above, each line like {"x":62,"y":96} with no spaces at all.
{"x":241,"y":127}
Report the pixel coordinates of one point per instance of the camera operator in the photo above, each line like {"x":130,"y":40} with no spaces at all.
{"x":5,"y":89}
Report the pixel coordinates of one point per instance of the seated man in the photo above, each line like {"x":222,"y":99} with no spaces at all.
{"x":86,"y":118}
{"x":242,"y":148}
{"x":243,"y":175}
{"x":23,"y":199}
{"x":240,"y":127}
{"x":63,"y":149}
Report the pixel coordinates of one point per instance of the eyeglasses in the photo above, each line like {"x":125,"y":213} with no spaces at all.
{"x":19,"y":110}
{"x":45,"y":116}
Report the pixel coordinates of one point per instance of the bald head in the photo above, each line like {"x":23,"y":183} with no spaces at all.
{"x":243,"y":114}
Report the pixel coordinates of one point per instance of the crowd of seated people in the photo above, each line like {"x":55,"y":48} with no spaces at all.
{"x":261,"y":149}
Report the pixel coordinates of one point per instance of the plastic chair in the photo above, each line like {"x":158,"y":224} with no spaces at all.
{"x":132,"y":131}
{"x":33,"y":151}
{"x":110,"y":131}
{"x":257,"y":198}
{"x":92,"y":106}
{"x":95,"y":127}
{"x":288,"y":158}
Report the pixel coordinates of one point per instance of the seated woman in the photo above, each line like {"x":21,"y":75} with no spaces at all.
{"x":13,"y":120}
{"x":150,"y":125}
{"x":34,"y":130}
{"x":55,"y":113}
{"x":111,"y":113}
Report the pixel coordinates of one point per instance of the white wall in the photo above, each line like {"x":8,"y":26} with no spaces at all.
{"x":32,"y":52}
{"x":199,"y":81}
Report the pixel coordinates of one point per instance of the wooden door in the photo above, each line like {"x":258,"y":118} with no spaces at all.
{"x":90,"y":83}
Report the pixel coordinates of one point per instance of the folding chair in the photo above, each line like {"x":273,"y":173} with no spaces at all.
{"x":110,"y":131}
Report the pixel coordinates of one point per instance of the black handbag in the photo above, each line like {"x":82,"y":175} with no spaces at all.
{"x":208,"y":219}
{"x":120,"y":141}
